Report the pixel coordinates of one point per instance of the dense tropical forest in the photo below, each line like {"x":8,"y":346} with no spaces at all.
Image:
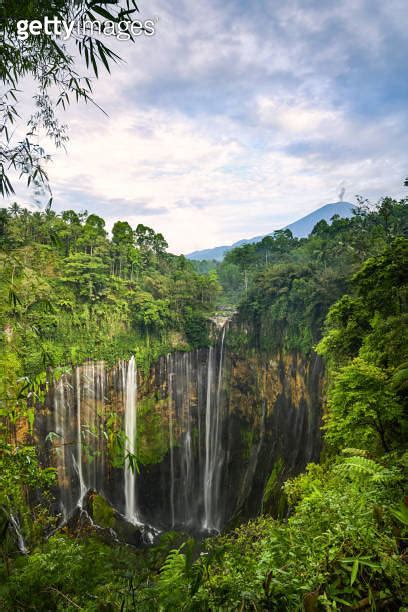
{"x":71,"y":292}
{"x":284,"y":316}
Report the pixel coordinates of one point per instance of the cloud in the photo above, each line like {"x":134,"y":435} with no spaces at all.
{"x":109,"y":208}
{"x":298,"y":118}
{"x":237,"y":118}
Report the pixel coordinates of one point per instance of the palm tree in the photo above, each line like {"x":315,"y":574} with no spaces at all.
{"x":15,"y":209}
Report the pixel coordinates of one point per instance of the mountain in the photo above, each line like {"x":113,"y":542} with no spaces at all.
{"x":300,"y":229}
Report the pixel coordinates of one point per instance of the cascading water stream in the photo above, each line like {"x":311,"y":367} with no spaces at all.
{"x":171,"y":444}
{"x":214,"y":453}
{"x":187,"y":454}
{"x":200,"y":463}
{"x":20,"y":539}
{"x":130,"y":445}
{"x":194,"y":415}
{"x":208,"y":449}
{"x":78,"y":460}
{"x":60,"y":429}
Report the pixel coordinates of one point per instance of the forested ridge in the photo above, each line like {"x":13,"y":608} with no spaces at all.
{"x":70,"y":292}
{"x":73,"y":295}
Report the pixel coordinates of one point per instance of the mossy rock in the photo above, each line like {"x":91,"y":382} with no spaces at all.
{"x":273,"y":497}
{"x":102,"y":512}
{"x":153,"y":437}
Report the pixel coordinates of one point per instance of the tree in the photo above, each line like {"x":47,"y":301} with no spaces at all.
{"x":122,"y":234}
{"x":346,"y":325}
{"x":93,"y":233}
{"x":87,"y":274}
{"x":149,"y":243}
{"x":149,"y":313}
{"x":52,"y":66}
{"x":123,"y":247}
{"x":363,"y":408}
{"x":383,"y":280}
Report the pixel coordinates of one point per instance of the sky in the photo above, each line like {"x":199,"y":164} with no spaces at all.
{"x":237,"y":118}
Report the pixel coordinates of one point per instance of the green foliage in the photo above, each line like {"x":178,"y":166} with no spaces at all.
{"x":77,"y":294}
{"x":196,"y":329}
{"x":152,"y":437}
{"x":173,"y":584}
{"x":363,"y":409}
{"x":67,"y":574}
{"x":50,"y":64}
{"x":365,"y":345}
{"x":20,"y":477}
{"x":362,"y":467}
{"x":337,"y":549}
{"x":272,"y":487}
{"x":287,"y":286}
{"x":343,"y":540}
{"x":346,"y":325}
{"x":102,"y":512}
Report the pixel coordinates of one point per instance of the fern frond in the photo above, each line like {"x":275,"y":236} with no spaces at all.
{"x":359,"y":452}
{"x":361,"y":467}
{"x":173,"y":568}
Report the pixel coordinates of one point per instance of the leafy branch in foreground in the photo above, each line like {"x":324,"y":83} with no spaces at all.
{"x":52,"y":67}
{"x":362,"y":467}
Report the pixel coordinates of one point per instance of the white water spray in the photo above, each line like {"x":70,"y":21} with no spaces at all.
{"x":214,"y":454}
{"x":130,"y":445}
{"x":171,"y":442}
{"x":20,"y":539}
{"x":78,"y":460}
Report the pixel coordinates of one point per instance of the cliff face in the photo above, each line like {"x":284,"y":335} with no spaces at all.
{"x":215,"y":432}
{"x":278,"y":403}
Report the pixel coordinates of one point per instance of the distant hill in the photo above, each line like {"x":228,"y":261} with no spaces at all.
{"x":300,"y":229}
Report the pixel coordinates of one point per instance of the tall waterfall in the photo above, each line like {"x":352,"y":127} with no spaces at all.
{"x":214,"y":452}
{"x":78,"y":416}
{"x":192,"y":419}
{"x":206,"y":444}
{"x":78,"y":460}
{"x":187,"y":452}
{"x":209,"y":418}
{"x":171,"y":447}
{"x":63,"y":444}
{"x":195,"y":407}
{"x":131,"y":444}
{"x":19,"y":536}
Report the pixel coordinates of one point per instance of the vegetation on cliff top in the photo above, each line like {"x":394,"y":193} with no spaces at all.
{"x":285,"y":285}
{"x":343,"y":544}
{"x":68,"y":292}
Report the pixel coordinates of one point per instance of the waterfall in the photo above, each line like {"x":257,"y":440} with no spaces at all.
{"x":130,"y":444}
{"x":78,"y":415}
{"x":78,"y":460}
{"x":210,"y":430}
{"x":90,"y":414}
{"x":217,"y":465}
{"x":20,"y":539}
{"x":208,"y":450}
{"x":214,"y":453}
{"x":187,"y":455}
{"x":204,"y":442}
{"x":62,"y":444}
{"x":171,"y":444}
